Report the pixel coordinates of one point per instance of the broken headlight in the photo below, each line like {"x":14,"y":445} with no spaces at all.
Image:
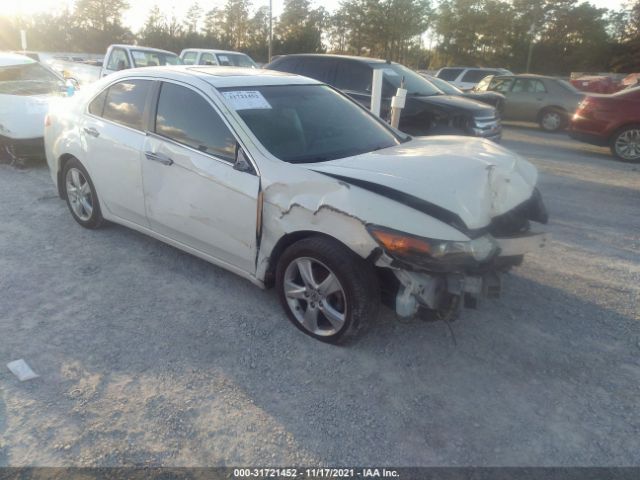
{"x":426,"y":250}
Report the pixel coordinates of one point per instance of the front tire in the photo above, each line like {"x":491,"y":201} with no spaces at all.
{"x":625,"y":144}
{"x":328,"y":292}
{"x":553,"y":120}
{"x":81,"y":196}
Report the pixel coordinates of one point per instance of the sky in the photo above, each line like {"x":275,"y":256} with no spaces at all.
{"x":135,"y":17}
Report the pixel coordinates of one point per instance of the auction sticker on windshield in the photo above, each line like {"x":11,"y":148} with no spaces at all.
{"x":246,"y":100}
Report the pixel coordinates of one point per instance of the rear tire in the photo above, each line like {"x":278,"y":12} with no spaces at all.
{"x":80,"y":194}
{"x":328,"y":292}
{"x":553,"y":120}
{"x":625,"y":144}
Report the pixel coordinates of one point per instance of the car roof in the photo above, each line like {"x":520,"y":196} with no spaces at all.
{"x":8,"y":59}
{"x":526,"y":75}
{"x":344,"y":57}
{"x":476,"y":68}
{"x":140,"y":47}
{"x":218,"y":77}
{"x":211,"y":50}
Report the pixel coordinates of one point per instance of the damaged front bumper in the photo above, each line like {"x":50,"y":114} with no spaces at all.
{"x":433,"y":291}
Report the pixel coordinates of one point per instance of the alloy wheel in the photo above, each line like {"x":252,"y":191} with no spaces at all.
{"x":627,"y":144}
{"x":551,"y":121}
{"x":79,"y":194}
{"x":315,"y":296}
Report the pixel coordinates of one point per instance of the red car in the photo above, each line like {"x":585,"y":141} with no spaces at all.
{"x":612,"y":120}
{"x":597,"y":84}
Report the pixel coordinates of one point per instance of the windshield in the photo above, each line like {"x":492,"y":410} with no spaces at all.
{"x":414,"y":83}
{"x":308,"y":123}
{"x":29,"y":79}
{"x":149,"y":58}
{"x":445,"y":86}
{"x":236,"y":60}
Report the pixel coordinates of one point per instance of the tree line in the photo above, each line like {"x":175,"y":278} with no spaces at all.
{"x":561,"y":35}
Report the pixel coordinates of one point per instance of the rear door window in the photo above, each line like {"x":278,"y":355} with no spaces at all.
{"x":528,"y":85}
{"x":539,"y":87}
{"x":126,"y":101}
{"x":449,"y":73}
{"x":187,"y":118}
{"x":208,"y":59}
{"x":287,"y":64}
{"x":96,"y":106}
{"x":353,"y":76}
{"x":502,"y":85}
{"x":474,"y":76}
{"x":118,"y":60}
{"x":189,"y":58}
{"x":318,"y":68}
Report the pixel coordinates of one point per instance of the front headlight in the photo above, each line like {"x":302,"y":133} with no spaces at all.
{"x":426,"y":250}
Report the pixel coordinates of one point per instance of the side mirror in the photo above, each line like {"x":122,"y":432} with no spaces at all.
{"x":242,"y":164}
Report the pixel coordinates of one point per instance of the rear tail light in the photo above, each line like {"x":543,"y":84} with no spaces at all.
{"x":47,"y":120}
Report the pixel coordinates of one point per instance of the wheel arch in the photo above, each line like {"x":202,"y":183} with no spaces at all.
{"x":619,"y":128}
{"x":62,"y":161}
{"x":551,"y":107}
{"x":285,"y":242}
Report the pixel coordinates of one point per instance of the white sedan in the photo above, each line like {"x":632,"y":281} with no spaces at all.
{"x":287,"y":182}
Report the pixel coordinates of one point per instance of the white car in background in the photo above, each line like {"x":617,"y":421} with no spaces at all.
{"x":26,"y":90}
{"x":465,"y":78}
{"x":123,"y":57}
{"x":286,"y":181}
{"x":225,"y":58}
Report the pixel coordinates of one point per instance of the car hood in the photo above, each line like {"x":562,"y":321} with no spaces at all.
{"x":455,"y":179}
{"x":485,"y":95}
{"x":22,"y":116}
{"x":452,"y":103}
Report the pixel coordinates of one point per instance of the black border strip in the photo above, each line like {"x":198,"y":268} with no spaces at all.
{"x":322,"y":473}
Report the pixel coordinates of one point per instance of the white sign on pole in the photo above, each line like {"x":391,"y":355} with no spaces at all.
{"x":376,"y":91}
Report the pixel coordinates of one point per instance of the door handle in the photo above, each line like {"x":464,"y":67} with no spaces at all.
{"x":91,"y":131}
{"x":158,"y":157}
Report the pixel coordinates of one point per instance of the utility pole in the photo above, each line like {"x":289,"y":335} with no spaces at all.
{"x":270,"y":27}
{"x":532,"y":32}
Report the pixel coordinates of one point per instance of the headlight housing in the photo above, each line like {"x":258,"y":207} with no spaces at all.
{"x":428,"y":251}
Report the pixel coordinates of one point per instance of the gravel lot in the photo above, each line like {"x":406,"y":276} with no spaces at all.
{"x":149,"y":356}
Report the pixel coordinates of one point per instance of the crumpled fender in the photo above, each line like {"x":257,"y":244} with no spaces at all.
{"x":311,"y":201}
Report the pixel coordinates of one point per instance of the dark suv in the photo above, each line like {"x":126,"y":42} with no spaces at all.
{"x":428,"y":110}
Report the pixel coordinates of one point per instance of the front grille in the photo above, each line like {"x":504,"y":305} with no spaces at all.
{"x":487,"y":126}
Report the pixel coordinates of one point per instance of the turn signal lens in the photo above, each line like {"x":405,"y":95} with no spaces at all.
{"x":402,"y":244}
{"x":416,"y":248}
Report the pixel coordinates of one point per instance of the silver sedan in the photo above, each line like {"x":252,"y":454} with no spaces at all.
{"x":548,"y":101}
